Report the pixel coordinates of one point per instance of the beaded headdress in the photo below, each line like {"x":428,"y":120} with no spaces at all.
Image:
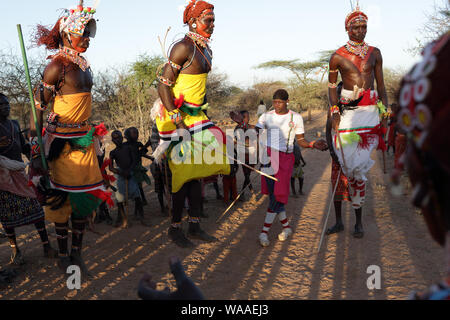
{"x":417,"y":101}
{"x":74,"y":21}
{"x":195,"y":9}
{"x":355,"y":16}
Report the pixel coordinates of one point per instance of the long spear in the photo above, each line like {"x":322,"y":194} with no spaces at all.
{"x":30,"y":91}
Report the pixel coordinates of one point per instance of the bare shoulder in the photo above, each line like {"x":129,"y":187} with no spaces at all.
{"x":376,"y":52}
{"x":52,"y":72}
{"x":181,"y":50}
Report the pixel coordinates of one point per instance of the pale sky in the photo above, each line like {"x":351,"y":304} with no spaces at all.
{"x":247,"y":33}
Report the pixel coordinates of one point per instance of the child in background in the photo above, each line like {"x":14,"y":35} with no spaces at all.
{"x":126,"y":160}
{"x":298,"y":173}
{"x":139,"y":172}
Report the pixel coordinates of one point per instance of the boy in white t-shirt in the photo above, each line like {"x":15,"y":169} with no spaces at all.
{"x":283,"y":127}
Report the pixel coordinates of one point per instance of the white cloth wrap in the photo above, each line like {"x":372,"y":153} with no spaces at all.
{"x":362,"y":119}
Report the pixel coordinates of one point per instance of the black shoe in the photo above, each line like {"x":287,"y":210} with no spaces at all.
{"x":359,"y":232}
{"x":196,"y":232}
{"x":177,"y":236}
{"x":338,"y":227}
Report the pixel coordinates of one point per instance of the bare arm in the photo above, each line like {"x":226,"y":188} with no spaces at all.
{"x":302,"y":142}
{"x":51,"y":77}
{"x":380,"y":78}
{"x":332,"y":78}
{"x":179,"y":55}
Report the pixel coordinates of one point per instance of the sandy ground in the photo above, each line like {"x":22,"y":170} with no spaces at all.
{"x":237,"y":267}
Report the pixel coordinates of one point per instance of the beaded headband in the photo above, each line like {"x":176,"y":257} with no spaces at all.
{"x":356,"y":16}
{"x":74,"y":21}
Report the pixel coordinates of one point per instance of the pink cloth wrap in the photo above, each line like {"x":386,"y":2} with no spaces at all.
{"x":283,"y":174}
{"x":16,"y":182}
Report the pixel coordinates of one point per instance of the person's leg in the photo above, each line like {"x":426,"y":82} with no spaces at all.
{"x":359,"y":231}
{"x":270,"y":215}
{"x":234,"y":188}
{"x":16,"y":255}
{"x":78,"y":230}
{"x":300,"y":181}
{"x":120,"y":214}
{"x":194,"y":194}
{"x":175,"y":231}
{"x":339,"y":226}
{"x":139,"y":208}
{"x":293,"y":187}
{"x":49,"y":252}
{"x":141,"y":191}
{"x":216,"y":187}
{"x":61,"y":230}
{"x":226,"y":189}
{"x":161,"y":202}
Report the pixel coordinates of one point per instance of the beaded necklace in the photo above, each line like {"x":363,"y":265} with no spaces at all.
{"x":357,"y":48}
{"x":74,"y":57}
{"x":202,"y":41}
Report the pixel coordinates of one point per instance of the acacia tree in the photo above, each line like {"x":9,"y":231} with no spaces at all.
{"x":437,"y":23}
{"x":14,"y":85}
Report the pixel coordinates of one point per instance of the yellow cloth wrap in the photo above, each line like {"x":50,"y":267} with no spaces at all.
{"x":74,"y":171}
{"x":73,"y":108}
{"x":192,"y":86}
{"x":62,"y":215}
{"x":74,"y":168}
{"x":207,"y":158}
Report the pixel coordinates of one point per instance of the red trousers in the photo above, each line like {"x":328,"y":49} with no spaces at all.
{"x":229,"y":185}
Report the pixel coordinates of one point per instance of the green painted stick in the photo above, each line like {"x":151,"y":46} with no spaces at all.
{"x":30,"y":91}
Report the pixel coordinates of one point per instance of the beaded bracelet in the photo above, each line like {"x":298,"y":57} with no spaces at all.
{"x":165,"y":81}
{"x":175,"y":116}
{"x":311,"y":144}
{"x":35,"y":148}
{"x":332,"y":85}
{"x":334,"y":109}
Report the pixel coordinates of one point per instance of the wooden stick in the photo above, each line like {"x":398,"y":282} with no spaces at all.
{"x":241,"y":163}
{"x":329,"y":210}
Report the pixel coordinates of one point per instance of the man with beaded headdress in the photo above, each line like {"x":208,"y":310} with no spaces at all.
{"x":182,"y":92}
{"x":355,"y":115}
{"x":76,"y":185}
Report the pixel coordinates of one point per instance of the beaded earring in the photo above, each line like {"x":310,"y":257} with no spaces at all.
{"x":194,"y":25}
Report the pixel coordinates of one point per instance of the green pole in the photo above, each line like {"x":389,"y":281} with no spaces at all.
{"x":30,"y":91}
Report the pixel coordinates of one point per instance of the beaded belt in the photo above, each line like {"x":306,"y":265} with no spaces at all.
{"x":53,"y":123}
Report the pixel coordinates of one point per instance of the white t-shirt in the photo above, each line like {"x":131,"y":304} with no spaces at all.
{"x":280,"y":127}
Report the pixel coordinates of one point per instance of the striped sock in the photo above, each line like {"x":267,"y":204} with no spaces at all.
{"x":270,"y":216}
{"x":284,"y":220}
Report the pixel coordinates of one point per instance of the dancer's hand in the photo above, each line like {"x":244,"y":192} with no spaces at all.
{"x":320,"y":145}
{"x":335,"y":120}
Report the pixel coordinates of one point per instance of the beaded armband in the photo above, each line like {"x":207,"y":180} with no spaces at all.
{"x":49,"y":87}
{"x":175,"y":116}
{"x":165,"y":81}
{"x":332,"y":85}
{"x":35,"y":148}
{"x":174,"y":65}
{"x":334,"y":109}
{"x":333,"y":71}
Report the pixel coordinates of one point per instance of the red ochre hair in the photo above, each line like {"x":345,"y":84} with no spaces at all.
{"x":194,"y":9}
{"x":50,"y":38}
